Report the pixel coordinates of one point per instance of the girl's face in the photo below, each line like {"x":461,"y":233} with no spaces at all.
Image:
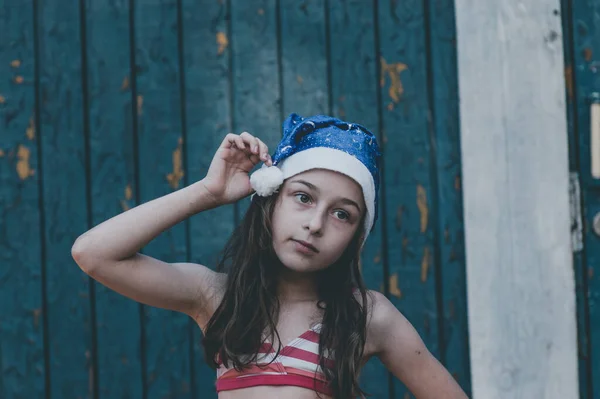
{"x":315,"y":217}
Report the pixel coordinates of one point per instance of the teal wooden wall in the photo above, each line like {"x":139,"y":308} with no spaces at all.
{"x":581,"y":25}
{"x":108,"y":104}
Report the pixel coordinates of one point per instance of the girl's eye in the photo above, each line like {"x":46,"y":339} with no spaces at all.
{"x":342,"y":215}
{"x":305,"y":199}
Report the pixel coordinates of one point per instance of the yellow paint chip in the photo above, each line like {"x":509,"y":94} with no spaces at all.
{"x":394,"y":289}
{"x":222,"y":42}
{"x":23,"y":168}
{"x":175,"y":177}
{"x":422,"y":205}
{"x":18,"y":79}
{"x":15,"y":63}
{"x":396,"y":89}
{"x":2,"y":99}
{"x":30,"y":131}
{"x":569,"y":80}
{"x":140,"y":104}
{"x":425,"y":262}
{"x":125,"y":83}
{"x":128,"y":192}
{"x":124,"y":205}
{"x":1,"y":153}
{"x":36,"y":317}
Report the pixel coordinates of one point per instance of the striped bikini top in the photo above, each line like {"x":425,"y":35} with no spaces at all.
{"x":296,"y":365}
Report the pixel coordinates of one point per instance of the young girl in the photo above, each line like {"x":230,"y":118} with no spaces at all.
{"x":286,"y":314}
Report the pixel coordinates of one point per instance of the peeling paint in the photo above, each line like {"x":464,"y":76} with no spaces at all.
{"x":36,"y":317}
{"x":394,"y":289}
{"x":1,"y":153}
{"x":175,"y":177}
{"x":30,"y":131}
{"x":18,"y":79}
{"x":15,"y":63}
{"x":591,"y":272}
{"x":140,"y":104}
{"x":261,"y":11}
{"x":457,"y":183}
{"x":2,"y":99}
{"x":125,"y":83}
{"x":393,"y":70}
{"x":222,"y":42}
{"x":377,"y":258}
{"x":128,"y":196}
{"x":422,"y":205}
{"x":587,"y":54}
{"x":23,"y":168}
{"x":299,"y":79}
{"x":398,"y":219}
{"x":425,"y":262}
{"x":569,"y":80}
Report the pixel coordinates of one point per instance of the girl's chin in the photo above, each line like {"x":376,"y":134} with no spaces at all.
{"x":302,"y":265}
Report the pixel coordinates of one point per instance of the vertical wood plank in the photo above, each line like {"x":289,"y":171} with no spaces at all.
{"x":160,"y":146}
{"x":22,"y":368}
{"x":575,"y":155}
{"x":409,"y":190}
{"x":521,"y":287}
{"x":354,"y":93}
{"x":303,"y":57}
{"x":112,"y":180}
{"x":445,"y":153}
{"x":206,"y":46}
{"x":255,"y":75}
{"x":583,"y":82}
{"x":62,"y":134}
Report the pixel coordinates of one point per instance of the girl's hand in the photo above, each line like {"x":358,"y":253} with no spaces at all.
{"x":227,"y":179}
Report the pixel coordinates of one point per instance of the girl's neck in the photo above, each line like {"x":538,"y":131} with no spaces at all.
{"x":296,"y":287}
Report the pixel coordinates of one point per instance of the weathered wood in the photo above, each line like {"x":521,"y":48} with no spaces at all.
{"x":515,"y":173}
{"x":113,"y":186}
{"x":256,"y":98}
{"x":22,"y":369}
{"x":206,"y":56}
{"x":161,"y":170}
{"x":445,"y":153}
{"x":63,"y":145}
{"x":354,"y":97}
{"x":303,"y":57}
{"x":408,"y":187}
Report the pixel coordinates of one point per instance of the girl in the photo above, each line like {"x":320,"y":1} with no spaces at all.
{"x":286,"y":314}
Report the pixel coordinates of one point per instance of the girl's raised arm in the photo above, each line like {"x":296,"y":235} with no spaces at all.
{"x":109,"y":251}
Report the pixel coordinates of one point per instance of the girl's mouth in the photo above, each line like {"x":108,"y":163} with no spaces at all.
{"x":305,"y":247}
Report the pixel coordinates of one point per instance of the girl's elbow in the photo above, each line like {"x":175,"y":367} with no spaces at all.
{"x":81,"y":256}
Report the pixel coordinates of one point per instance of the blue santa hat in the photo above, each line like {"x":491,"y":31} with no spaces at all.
{"x":324,"y":142}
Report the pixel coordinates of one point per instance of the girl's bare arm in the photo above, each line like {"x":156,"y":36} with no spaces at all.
{"x":109,"y":251}
{"x":109,"y":254}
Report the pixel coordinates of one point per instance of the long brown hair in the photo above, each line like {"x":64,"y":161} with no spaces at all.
{"x":250,"y":305}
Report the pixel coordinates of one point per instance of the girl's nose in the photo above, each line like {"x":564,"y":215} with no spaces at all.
{"x":314,"y":223}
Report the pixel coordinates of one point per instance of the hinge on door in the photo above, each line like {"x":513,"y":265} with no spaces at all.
{"x":575,"y":205}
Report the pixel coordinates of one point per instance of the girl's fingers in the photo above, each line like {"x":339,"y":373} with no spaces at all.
{"x":233,"y":140}
{"x":264,"y":151}
{"x":251,"y":141}
{"x":252,"y":146}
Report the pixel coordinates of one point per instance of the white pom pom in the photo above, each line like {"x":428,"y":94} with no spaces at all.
{"x":266,"y":180}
